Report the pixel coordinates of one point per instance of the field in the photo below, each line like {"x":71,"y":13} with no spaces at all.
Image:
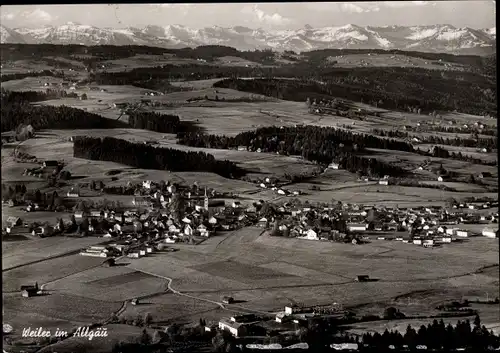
{"x":262,"y":273}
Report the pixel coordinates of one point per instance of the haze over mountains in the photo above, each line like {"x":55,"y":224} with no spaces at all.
{"x":436,"y":38}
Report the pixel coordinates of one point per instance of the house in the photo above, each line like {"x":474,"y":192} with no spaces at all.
{"x":242,"y":148}
{"x":236,"y":329}
{"x":212,"y":221}
{"x":462,"y":233}
{"x":146,"y":184}
{"x":13,"y":221}
{"x":353,"y":227}
{"x":236,"y":204}
{"x":490,"y":233}
{"x":383,"y":182}
{"x":417,"y":241}
{"x":484,"y":175}
{"x":428,"y":243}
{"x":227,"y":300}
{"x":50,"y":164}
{"x":333,"y":166}
{"x":362,"y":278}
{"x":73,"y":193}
{"x":29,"y":291}
{"x":142,"y":201}
{"x":170,"y":240}
{"x":188,"y":231}
{"x":310,"y":235}
{"x":451,"y":231}
{"x":263,"y":222}
{"x":440,"y":178}
{"x":202,"y":230}
{"x":445,"y":239}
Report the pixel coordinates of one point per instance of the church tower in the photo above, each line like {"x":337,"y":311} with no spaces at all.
{"x":205,"y":203}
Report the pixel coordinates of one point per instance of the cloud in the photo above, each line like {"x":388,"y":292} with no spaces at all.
{"x":37,"y":15}
{"x":7,"y":16}
{"x":403,"y":4}
{"x":267,"y":19}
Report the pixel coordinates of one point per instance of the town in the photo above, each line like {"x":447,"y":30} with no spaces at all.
{"x":325,"y":179}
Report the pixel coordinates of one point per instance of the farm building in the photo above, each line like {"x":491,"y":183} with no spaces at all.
{"x":142,"y":201}
{"x":49,"y":164}
{"x":362,"y":278}
{"x":462,"y":233}
{"x":73,"y":193}
{"x":13,"y":221}
{"x":353,"y":227}
{"x":490,"y":233}
{"x":29,"y":291}
{"x":235,"y":328}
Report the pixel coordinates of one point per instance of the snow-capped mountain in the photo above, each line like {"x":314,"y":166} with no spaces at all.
{"x":438,"y":38}
{"x":8,"y":35}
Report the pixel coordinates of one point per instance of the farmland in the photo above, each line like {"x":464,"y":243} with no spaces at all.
{"x":262,"y":272}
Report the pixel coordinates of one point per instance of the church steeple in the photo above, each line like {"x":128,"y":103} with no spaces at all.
{"x":205,"y":203}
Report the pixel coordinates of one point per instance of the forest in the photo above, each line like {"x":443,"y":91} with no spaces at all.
{"x":166,"y":123}
{"x":148,"y":157}
{"x":390,"y":88}
{"x":314,"y":143}
{"x":488,"y":143}
{"x":154,"y":121}
{"x":20,"y":76}
{"x":16,"y":110}
{"x":437,"y":336}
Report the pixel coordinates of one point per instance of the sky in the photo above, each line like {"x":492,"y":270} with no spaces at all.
{"x":269,"y":16}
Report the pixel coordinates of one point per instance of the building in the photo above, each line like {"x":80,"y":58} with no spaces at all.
{"x":205,"y":201}
{"x":202,"y":230}
{"x":13,"y":221}
{"x":383,"y":182}
{"x":490,"y":233}
{"x":50,"y":164}
{"x":142,"y":201}
{"x":236,"y":329}
{"x":333,"y":166}
{"x":440,"y":178}
{"x":73,"y":193}
{"x":353,"y":227}
{"x":462,"y":233}
{"x":227,"y":300}
{"x":29,"y":291}
{"x":362,"y":278}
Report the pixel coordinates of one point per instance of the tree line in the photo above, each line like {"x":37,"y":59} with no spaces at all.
{"x":154,"y":121}
{"x":489,"y":143}
{"x":148,"y":157}
{"x":15,"y":113}
{"x":314,"y":143}
{"x":437,"y":336}
{"x":390,"y":88}
{"x":20,"y":76}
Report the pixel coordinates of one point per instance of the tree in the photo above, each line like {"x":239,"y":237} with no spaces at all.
{"x":148,"y":319}
{"x":145,"y":337}
{"x":390,"y":313}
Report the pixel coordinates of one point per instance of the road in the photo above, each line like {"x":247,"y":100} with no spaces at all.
{"x":221,"y":305}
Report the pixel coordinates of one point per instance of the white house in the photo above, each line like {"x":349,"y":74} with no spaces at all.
{"x":417,"y":241}
{"x":188,"y":230}
{"x":186,"y":220}
{"x":146,"y":184}
{"x":440,"y":178}
{"x":212,"y":221}
{"x":73,"y":193}
{"x":462,"y":233}
{"x":451,"y":231}
{"x":446,"y":239}
{"x":490,"y":233}
{"x":281,"y":192}
{"x":383,"y":182}
{"x":311,"y":235}
{"x":333,"y":166}
{"x":202,"y":230}
{"x":170,"y":241}
{"x":357,"y":227}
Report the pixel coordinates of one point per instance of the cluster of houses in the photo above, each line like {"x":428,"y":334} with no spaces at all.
{"x":420,"y":225}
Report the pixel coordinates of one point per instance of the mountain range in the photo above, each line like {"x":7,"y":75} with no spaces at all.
{"x":436,"y":38}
